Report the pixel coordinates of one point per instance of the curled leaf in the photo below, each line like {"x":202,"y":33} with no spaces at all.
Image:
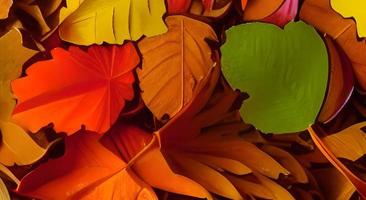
{"x":98,"y":83}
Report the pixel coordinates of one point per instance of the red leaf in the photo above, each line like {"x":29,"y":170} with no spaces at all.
{"x":91,"y":88}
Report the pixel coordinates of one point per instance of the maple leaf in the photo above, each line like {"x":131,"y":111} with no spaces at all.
{"x":91,"y":87}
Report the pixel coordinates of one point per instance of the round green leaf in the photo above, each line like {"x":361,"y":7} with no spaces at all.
{"x":284,"y":71}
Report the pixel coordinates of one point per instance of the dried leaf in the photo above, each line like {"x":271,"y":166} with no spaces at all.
{"x":266,"y":62}
{"x":173,"y":64}
{"x":98,"y":84}
{"x":319,"y":14}
{"x":86,"y":171}
{"x":114,"y":21}
{"x":352,"y":9}
{"x":4,"y":8}
{"x":359,"y":184}
{"x":260,"y":9}
{"x":349,"y":143}
{"x":5,"y":173}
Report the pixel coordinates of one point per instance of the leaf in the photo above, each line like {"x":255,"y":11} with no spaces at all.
{"x":5,"y":173}
{"x":4,"y":194}
{"x":111,"y":21}
{"x":359,"y":184}
{"x":87,"y":170}
{"x":334,"y":184}
{"x":260,"y":9}
{"x":319,"y":14}
{"x":266,"y":62}
{"x":341,"y":82}
{"x":98,"y":83}
{"x":286,"y":13}
{"x":349,"y":143}
{"x":178,"y":6}
{"x":352,"y":9}
{"x":173,"y":64}
{"x":4,"y":8}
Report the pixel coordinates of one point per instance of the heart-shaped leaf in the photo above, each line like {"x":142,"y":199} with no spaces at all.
{"x":284,"y":71}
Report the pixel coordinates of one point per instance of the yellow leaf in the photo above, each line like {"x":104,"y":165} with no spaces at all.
{"x":112,"y":21}
{"x":4,"y":194}
{"x":349,"y":143}
{"x":279,"y":192}
{"x":4,"y":8}
{"x":355,"y":9}
{"x":17,"y":147}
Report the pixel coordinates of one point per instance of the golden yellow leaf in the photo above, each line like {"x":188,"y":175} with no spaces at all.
{"x":113,"y":21}
{"x":4,"y":8}
{"x":174,"y":63}
{"x":349,"y":143}
{"x":16,"y":145}
{"x":7,"y":174}
{"x":355,"y":9}
{"x":4,"y":194}
{"x":279,"y":192}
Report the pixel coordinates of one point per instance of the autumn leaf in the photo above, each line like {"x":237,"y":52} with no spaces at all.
{"x":4,"y":8}
{"x":16,"y":146}
{"x":358,"y":183}
{"x":87,"y":170}
{"x":352,"y":9}
{"x":89,"y":21}
{"x":182,"y":6}
{"x":266,"y":62}
{"x":173,"y":64}
{"x":98,"y":83}
{"x":4,"y":195}
{"x":319,"y":14}
{"x":340,"y":83}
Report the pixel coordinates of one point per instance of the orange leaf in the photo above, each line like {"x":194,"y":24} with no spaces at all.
{"x":174,"y":63}
{"x":260,"y":9}
{"x":182,"y":6}
{"x":356,"y":181}
{"x":91,"y":88}
{"x":319,"y":14}
{"x":87,"y":170}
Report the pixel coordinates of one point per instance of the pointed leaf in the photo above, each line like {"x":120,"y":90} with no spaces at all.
{"x":98,"y":83}
{"x":4,"y":194}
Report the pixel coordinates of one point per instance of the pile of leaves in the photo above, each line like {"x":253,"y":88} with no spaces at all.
{"x":183,"y":99}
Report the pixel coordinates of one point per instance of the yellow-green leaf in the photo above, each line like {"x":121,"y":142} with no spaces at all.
{"x":111,"y":21}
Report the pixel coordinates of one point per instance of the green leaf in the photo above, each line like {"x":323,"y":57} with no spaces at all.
{"x":284,"y":71}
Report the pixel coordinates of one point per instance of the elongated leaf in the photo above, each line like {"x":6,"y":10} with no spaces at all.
{"x":4,"y":194}
{"x":111,"y":21}
{"x":284,"y":71}
{"x":352,"y":9}
{"x":98,"y":83}
{"x":174,"y":63}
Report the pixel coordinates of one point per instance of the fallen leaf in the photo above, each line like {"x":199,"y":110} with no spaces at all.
{"x":4,"y":194}
{"x":340,"y":83}
{"x":349,"y":143}
{"x":334,"y":184}
{"x":352,"y":9}
{"x":4,"y":8}
{"x":5,"y":173}
{"x":98,"y":84}
{"x":178,"y":6}
{"x":319,"y":14}
{"x":358,"y":183}
{"x":266,"y":62}
{"x":87,"y":170}
{"x":89,"y":21}
{"x":173,"y":64}
{"x":260,"y":9}
{"x":16,"y":146}
{"x":279,"y":192}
